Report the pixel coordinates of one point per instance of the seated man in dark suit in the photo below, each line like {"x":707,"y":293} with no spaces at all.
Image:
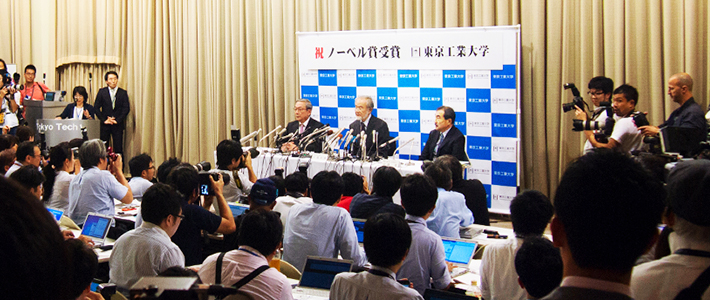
{"x":445,"y":139}
{"x":112,"y":108}
{"x":301,"y":127}
{"x":603,"y":223}
{"x":366,"y":121}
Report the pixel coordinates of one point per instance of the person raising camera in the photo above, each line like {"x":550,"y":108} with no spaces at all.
{"x":600,"y":89}
{"x":231,"y":158}
{"x":625,"y":136}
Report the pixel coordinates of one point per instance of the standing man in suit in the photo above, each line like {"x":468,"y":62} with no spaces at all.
{"x":366,"y":121}
{"x":302,"y":126}
{"x":445,"y":139}
{"x":112,"y":109}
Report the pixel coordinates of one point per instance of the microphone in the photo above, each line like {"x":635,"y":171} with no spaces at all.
{"x":345,"y":139}
{"x":389,"y":142}
{"x":249,"y":136}
{"x":268,"y":134}
{"x":402,"y":145}
{"x":354,"y":137}
{"x":281,"y":132}
{"x":313,"y":134}
{"x":89,"y":77}
{"x":287,"y":137}
{"x":44,"y":78}
{"x":335,"y":136}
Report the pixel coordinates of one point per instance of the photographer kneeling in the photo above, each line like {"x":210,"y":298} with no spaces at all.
{"x":625,"y":136}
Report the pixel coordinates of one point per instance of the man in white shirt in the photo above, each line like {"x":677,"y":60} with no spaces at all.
{"x":296,"y":185}
{"x":600,"y":89}
{"x":28,"y":153}
{"x":626,"y":136}
{"x":260,"y":236}
{"x":321,"y":228}
{"x":387,"y":240}
{"x":687,"y":213}
{"x":606,"y":211}
{"x":530,"y":212}
{"x":148,"y":250}
{"x":142,"y":172}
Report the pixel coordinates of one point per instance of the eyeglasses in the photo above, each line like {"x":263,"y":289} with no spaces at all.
{"x":597,"y":93}
{"x":179,"y":216}
{"x":299,"y":108}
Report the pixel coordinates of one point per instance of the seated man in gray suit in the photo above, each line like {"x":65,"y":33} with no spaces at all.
{"x":603,"y":223}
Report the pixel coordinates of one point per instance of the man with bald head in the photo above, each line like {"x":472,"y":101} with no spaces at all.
{"x":688,"y":115}
{"x":369,"y":123}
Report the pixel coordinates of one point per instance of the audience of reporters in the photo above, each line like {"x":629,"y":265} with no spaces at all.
{"x":539,"y":267}
{"x":7,"y":158}
{"x":57,"y":172}
{"x":296,"y":185}
{"x":471,"y":189}
{"x":385,"y":183}
{"x":165,"y":168}
{"x":450,"y":212}
{"x":530,"y":212}
{"x":142,"y":174}
{"x":8,"y":141}
{"x":386,"y":239}
{"x":84,"y":265}
{"x":354,"y":184}
{"x":425,"y":265}
{"x":321,"y":228}
{"x":28,"y":153}
{"x":31,"y":178}
{"x":24,"y":133}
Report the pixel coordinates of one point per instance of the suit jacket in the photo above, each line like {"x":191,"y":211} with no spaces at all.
{"x":105,"y":109}
{"x":69,"y":111}
{"x":383,"y":132}
{"x":454,"y":143}
{"x":312,"y":125}
{"x":567,"y":292}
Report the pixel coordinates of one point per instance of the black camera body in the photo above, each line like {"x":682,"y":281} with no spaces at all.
{"x":577,"y":101}
{"x":206,"y":184}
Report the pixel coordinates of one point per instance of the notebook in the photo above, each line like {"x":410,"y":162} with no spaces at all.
{"x":319,"y":273}
{"x":360,"y":230}
{"x":237,"y":209}
{"x":56,"y":213}
{"x":96,"y":227}
{"x":459,"y":252}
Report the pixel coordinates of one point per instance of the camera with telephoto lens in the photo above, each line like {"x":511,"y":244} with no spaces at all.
{"x":202,"y":166}
{"x":606,"y":126}
{"x":206,"y":184}
{"x":577,"y":101}
{"x":251,"y":152}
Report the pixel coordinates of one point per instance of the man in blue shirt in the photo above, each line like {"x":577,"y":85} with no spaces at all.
{"x":451,"y":211}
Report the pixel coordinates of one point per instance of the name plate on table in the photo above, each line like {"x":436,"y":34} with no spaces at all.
{"x":57,"y":131}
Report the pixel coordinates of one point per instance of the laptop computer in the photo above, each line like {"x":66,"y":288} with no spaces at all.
{"x":430,"y":294}
{"x":96,"y":227}
{"x":459,"y":252}
{"x":360,"y":230}
{"x":57,"y":213}
{"x":685,"y":141}
{"x":237,"y":209}
{"x":49,"y":96}
{"x":319,"y":273}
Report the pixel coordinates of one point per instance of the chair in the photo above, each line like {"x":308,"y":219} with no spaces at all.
{"x":289,"y":270}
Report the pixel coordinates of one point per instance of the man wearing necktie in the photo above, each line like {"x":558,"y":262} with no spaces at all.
{"x":367,"y":122}
{"x":112,"y":108}
{"x":301,"y":127}
{"x":446,"y":138}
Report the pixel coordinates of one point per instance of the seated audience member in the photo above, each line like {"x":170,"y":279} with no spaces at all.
{"x":451,"y":211}
{"x":425,"y":265}
{"x":261,"y":197}
{"x":688,"y":115}
{"x":25,"y":134}
{"x":56,"y":188}
{"x":296,"y":193}
{"x":94,"y":188}
{"x":688,"y":210}
{"x":148,"y":250}
{"x":471,"y":189}
{"x":8,"y":141}
{"x":603,"y":223}
{"x":7,"y":158}
{"x":530,"y":212}
{"x":31,"y":178}
{"x":165,"y":168}
{"x":142,"y":174}
{"x":32,"y":253}
{"x":320,"y":228}
{"x":231,"y":158}
{"x":185,"y":179}
{"x":280,"y":184}
{"x":28,"y":153}
{"x":539,"y":267}
{"x":354,"y":184}
{"x":84,"y":264}
{"x":260,"y":234}
{"x":387,"y":240}
{"x":385,"y":183}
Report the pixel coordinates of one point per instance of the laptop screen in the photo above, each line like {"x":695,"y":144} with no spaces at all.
{"x":96,"y":226}
{"x":359,"y":229}
{"x":237,"y":209}
{"x":458,"y":251}
{"x":320,"y":273}
{"x":49,"y":96}
{"x":56,"y":213}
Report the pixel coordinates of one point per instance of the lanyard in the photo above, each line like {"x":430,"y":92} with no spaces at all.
{"x":692,"y":252}
{"x":247,"y":251}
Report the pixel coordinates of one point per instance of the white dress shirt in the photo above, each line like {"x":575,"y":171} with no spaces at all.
{"x":60,"y":191}
{"x":320,"y":230}
{"x":144,"y":251}
{"x":138,"y":187}
{"x":499,"y":280}
{"x":284,"y":204}
{"x":425,"y":264}
{"x":449,"y":214}
{"x":237,"y":264}
{"x":15,"y":166}
{"x":365,"y":285}
{"x":93,"y":190}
